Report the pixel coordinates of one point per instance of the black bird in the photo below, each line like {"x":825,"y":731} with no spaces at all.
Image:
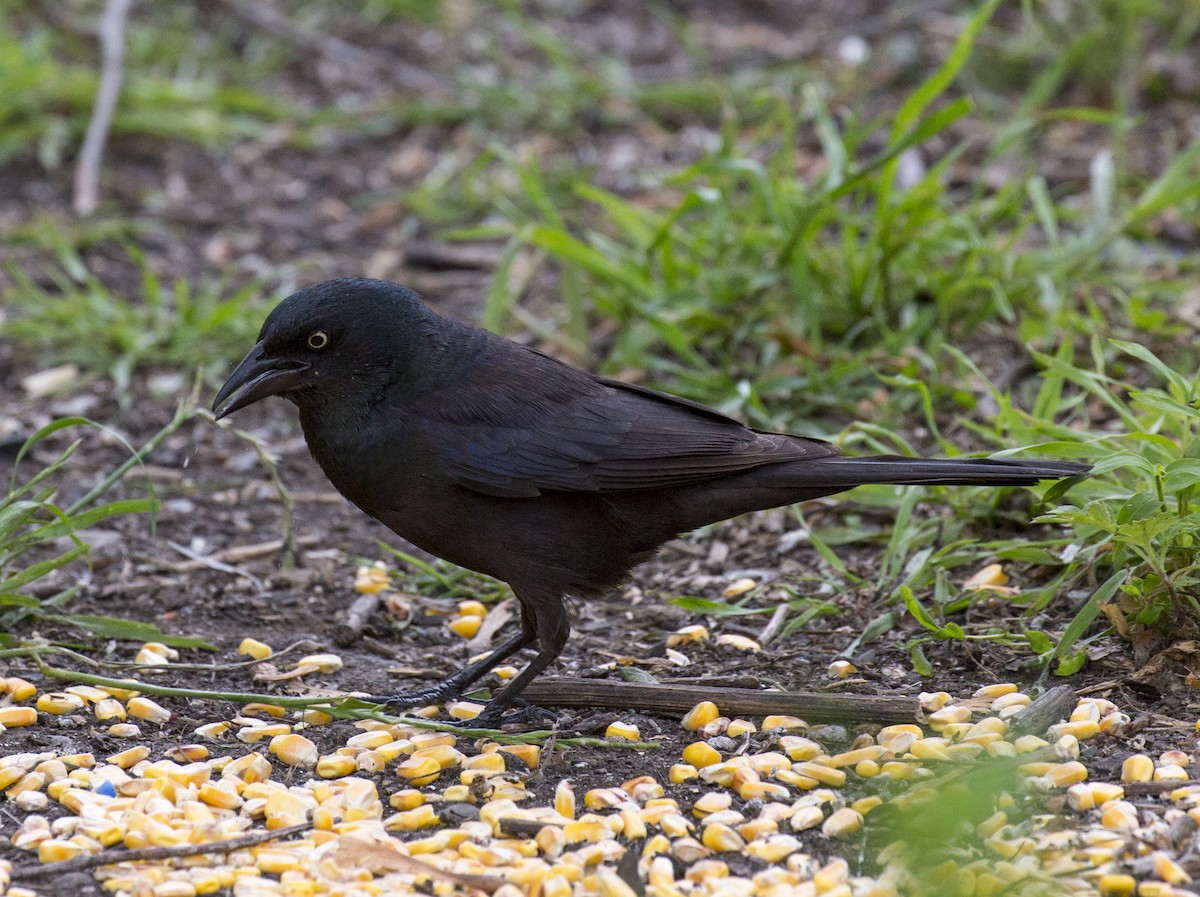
{"x":509,"y":462}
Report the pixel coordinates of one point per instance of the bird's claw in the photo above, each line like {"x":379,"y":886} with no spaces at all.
{"x":522,"y":714}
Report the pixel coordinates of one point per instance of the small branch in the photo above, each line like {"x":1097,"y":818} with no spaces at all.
{"x":1046,"y":711}
{"x":774,"y":625}
{"x":350,"y":629}
{"x":147,"y":854}
{"x":112,"y":48}
{"x":678,"y":699}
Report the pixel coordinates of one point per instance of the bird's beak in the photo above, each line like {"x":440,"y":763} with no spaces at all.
{"x":257,"y":377}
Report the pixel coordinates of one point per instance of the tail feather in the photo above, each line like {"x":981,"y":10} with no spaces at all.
{"x":839,"y":470}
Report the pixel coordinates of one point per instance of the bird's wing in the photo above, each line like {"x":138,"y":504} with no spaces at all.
{"x":524,"y":424}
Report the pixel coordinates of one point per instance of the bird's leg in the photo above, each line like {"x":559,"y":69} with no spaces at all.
{"x":456,"y":683}
{"x":553,"y":630}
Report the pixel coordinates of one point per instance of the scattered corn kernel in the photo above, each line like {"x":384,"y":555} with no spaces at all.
{"x":699,"y":754}
{"x":627,"y":731}
{"x":841,"y":669}
{"x":465,"y":626}
{"x":700,"y":715}
{"x":842,"y":822}
{"x":12,"y":717}
{"x":738,"y":642}
{"x":1137,"y":768}
{"x":254,"y":648}
{"x":294,"y":750}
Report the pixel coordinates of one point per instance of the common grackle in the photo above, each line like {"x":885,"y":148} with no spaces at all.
{"x":509,"y":462}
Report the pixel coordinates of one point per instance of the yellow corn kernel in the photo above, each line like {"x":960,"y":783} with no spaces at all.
{"x":420,"y":817}
{"x":996,"y":690}
{"x":740,"y":727}
{"x":127,"y":758}
{"x":1119,"y":814}
{"x":700,"y":715}
{"x":212,"y":731}
{"x":59,"y":703}
{"x":721,"y":838}
{"x":254,"y":648}
{"x":610,"y":884}
{"x":867,"y":769}
{"x":1170,"y":773}
{"x":699,"y":754}
{"x":419,"y":770}
{"x":406,"y":799}
{"x":530,"y":754}
{"x":319,"y":663}
{"x":151,"y":656}
{"x":841,"y":669}
{"x":929,"y":701}
{"x":841,"y":823}
{"x":826,"y":775}
{"x":627,"y":731}
{"x":1137,"y":768}
{"x":19,"y":689}
{"x":854,"y":757}
{"x":832,"y":875}
{"x":1165,"y":868}
{"x":762,"y":791}
{"x":782,"y":721}
{"x":463,"y":709}
{"x":1081,"y":729}
{"x":865,"y":805}
{"x":564,"y":799}
{"x":682,"y":772}
{"x":1116,"y":885}
{"x":294,"y":750}
{"x":334,"y":766}
{"x":54,"y":850}
{"x":774,"y":849}
{"x":144,"y":708}
{"x":952,"y":713}
{"x":124,"y":730}
{"x":799,"y":748}
{"x":675,"y":826}
{"x":12,"y":717}
{"x":1063,"y":774}
{"x":466,"y":626}
{"x":687,"y":635}
{"x":711,"y":802}
{"x":738,"y":642}
{"x":586,"y":830}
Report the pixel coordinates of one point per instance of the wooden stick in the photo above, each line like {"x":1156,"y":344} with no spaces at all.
{"x":1052,"y":707}
{"x":678,"y":699}
{"x":350,"y":628}
{"x":147,"y":854}
{"x":112,"y":46}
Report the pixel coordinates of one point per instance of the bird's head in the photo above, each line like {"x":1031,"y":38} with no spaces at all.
{"x":339,"y":341}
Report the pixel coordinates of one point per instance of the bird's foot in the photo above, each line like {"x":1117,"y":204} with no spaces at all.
{"x":410,"y":700}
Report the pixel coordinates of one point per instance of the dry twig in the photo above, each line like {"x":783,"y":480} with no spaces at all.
{"x":112,"y":48}
{"x":149,"y":854}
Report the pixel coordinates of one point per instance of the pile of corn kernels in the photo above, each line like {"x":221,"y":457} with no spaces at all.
{"x":463,"y":807}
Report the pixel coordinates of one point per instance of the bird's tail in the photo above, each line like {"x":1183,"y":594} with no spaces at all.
{"x":839,"y":470}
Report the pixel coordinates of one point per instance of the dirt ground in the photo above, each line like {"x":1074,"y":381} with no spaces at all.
{"x":297,"y":216}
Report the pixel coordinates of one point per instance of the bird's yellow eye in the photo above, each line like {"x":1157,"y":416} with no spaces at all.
{"x":318,"y":340}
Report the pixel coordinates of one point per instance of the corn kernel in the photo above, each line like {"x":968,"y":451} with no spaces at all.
{"x":699,"y":754}
{"x":740,"y":727}
{"x":55,"y":850}
{"x":721,"y":838}
{"x":1119,"y":814}
{"x":1116,"y":885}
{"x":700,"y":715}
{"x":1137,"y":768}
{"x":682,"y":772}
{"x":842,"y":822}
{"x":254,"y":648}
{"x":841,"y":669}
{"x":826,"y":775}
{"x":610,"y":884}
{"x":711,"y":802}
{"x":466,"y":626}
{"x":12,"y":717}
{"x":738,"y":642}
{"x":294,"y":750}
{"x":1170,"y":773}
{"x":1081,"y":729}
{"x":423,"y":816}
{"x":319,"y":663}
{"x":144,"y":708}
{"x":59,"y":703}
{"x":1164,"y":867}
{"x":334,"y":766}
{"x":627,"y":731}
{"x":419,"y":770}
{"x":952,"y":713}
{"x":212,"y":731}
{"x":127,"y":758}
{"x":781,"y":721}
{"x":20,"y":689}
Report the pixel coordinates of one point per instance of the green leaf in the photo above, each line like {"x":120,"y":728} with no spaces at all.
{"x":128,"y":630}
{"x":1083,"y":619}
{"x":715,"y":608}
